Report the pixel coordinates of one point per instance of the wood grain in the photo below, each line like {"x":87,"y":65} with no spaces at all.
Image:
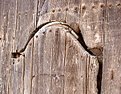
{"x":54,"y":62}
{"x":111,"y":63}
{"x":63,"y":67}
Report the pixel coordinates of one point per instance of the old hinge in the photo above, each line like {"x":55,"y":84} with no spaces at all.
{"x":78,"y":33}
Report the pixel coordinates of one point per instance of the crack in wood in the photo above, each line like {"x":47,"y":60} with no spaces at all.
{"x":99,"y":75}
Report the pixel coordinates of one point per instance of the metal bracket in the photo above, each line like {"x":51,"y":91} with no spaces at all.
{"x":80,"y":37}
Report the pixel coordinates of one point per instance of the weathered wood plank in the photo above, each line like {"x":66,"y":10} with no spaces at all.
{"x":38,"y":54}
{"x":63,"y":67}
{"x":16,"y":77}
{"x":87,"y":14}
{"x":58,"y":60}
{"x":60,"y":10}
{"x":92,"y":17}
{"x":17,"y":20}
{"x":28,"y":68}
{"x":49,"y":67}
{"x":80,"y":69}
{"x":73,"y":12}
{"x":7,"y":27}
{"x":1,"y":45}
{"x":25,"y":20}
{"x":111,"y":64}
{"x":13,"y":20}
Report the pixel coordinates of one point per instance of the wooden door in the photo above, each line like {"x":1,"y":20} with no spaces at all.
{"x":58,"y":64}
{"x":55,"y":61}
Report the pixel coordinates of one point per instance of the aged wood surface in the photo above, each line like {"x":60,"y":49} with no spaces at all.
{"x":111,"y":82}
{"x":55,"y":62}
{"x":88,"y":14}
{"x":63,"y":67}
{"x":15,"y":18}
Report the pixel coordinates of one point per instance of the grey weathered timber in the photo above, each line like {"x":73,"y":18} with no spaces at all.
{"x":61,"y":65}
{"x":80,"y":77}
{"x":111,"y":82}
{"x":92,"y":25}
{"x":55,"y":62}
{"x":7,"y":27}
{"x":15,"y":17}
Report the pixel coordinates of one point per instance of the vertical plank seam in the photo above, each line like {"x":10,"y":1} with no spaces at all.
{"x":32,"y":67}
{"x":64,"y":62}
{"x":105,"y":21}
{"x":23,"y":73}
{"x":36,"y":18}
{"x":16,"y":13}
